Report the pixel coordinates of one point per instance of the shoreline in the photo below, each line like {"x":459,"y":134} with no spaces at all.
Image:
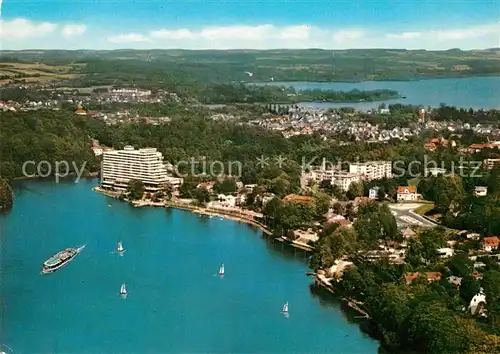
{"x":89,"y":175}
{"x":226,"y":214}
{"x":408,"y":79}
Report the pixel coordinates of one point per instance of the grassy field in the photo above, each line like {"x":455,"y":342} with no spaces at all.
{"x":424,"y":208}
{"x":37,"y":72}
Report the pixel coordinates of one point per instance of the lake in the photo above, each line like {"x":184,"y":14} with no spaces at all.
{"x":175,"y":302}
{"x":475,"y":92}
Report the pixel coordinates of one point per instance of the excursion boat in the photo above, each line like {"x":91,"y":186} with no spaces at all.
{"x":221,"y":270}
{"x":120,"y":248}
{"x":60,"y":259}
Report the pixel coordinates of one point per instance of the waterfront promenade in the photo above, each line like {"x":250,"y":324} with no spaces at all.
{"x":239,"y":214}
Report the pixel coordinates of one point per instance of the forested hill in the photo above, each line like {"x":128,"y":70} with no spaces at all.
{"x":42,"y":135}
{"x":279,"y":65}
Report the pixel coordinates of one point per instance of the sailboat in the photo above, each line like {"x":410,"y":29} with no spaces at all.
{"x":120,"y":248}
{"x":123,"y":290}
{"x":221,"y":270}
{"x":285,"y":309}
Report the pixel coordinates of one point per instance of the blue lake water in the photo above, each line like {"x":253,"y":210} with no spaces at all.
{"x":475,"y":92}
{"x":175,"y":304}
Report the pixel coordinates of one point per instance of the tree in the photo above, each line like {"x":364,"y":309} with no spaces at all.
{"x":165,"y":191}
{"x":322,"y":204}
{"x":333,"y":243}
{"x":469,"y":287}
{"x":356,"y":189}
{"x":350,"y":211}
{"x":415,"y":254}
{"x":491,"y":286}
{"x":376,"y":225}
{"x":435,"y":329}
{"x":226,"y":186}
{"x":389,"y":307}
{"x":449,"y":193}
{"x":460,"y":265}
{"x":6,"y":195}
{"x":381,"y":194}
{"x":202,"y":195}
{"x":494,"y":181}
{"x":338,"y":208}
{"x":135,"y":189}
{"x":424,"y":249}
{"x":325,"y":184}
{"x":188,"y":188}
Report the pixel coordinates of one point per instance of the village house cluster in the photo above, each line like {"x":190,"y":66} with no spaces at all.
{"x":307,"y":120}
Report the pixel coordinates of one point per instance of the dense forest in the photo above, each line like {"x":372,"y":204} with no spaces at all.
{"x":42,"y":135}
{"x":239,"y":93}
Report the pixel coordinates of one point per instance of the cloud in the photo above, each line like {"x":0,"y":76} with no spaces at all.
{"x":73,"y":30}
{"x":404,"y":35}
{"x":348,"y":35}
{"x":469,"y":33}
{"x":182,"y":33}
{"x":26,"y":34}
{"x":22,"y":28}
{"x":128,"y":38}
{"x":224,"y":33}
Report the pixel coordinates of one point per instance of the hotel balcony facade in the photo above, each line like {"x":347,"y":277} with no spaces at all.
{"x":372,"y":169}
{"x":119,"y":167}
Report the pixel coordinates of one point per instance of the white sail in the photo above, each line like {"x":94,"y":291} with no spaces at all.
{"x":123,"y":289}
{"x":120,"y":248}
{"x":221,"y":269}
{"x":285,"y":308}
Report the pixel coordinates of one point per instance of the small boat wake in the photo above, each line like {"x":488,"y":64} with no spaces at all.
{"x":8,"y":348}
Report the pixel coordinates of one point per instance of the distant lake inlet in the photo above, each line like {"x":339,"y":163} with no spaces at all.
{"x":470,"y":92}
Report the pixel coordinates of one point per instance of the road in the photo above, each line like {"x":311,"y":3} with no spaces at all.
{"x":405,"y":216}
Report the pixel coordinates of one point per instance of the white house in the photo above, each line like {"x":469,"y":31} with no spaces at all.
{"x":373,"y":193}
{"x":434,"y":171}
{"x":476,"y":305}
{"x":227,"y":200}
{"x":490,"y":243}
{"x":446,"y":252}
{"x":480,"y":191}
{"x":407,"y":193}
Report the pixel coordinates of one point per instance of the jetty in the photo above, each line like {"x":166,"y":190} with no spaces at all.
{"x":356,"y":306}
{"x":295,"y":243}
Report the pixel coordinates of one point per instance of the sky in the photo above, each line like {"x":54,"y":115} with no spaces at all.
{"x":249,"y":24}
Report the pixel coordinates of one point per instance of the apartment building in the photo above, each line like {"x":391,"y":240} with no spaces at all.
{"x":131,"y":92}
{"x":372,"y":169}
{"x":120,"y":166}
{"x":491,"y":163}
{"x":339,"y":178}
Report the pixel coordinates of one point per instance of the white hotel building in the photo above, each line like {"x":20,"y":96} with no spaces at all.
{"x":146,"y":165}
{"x":339,"y":178}
{"x":372,"y":169}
